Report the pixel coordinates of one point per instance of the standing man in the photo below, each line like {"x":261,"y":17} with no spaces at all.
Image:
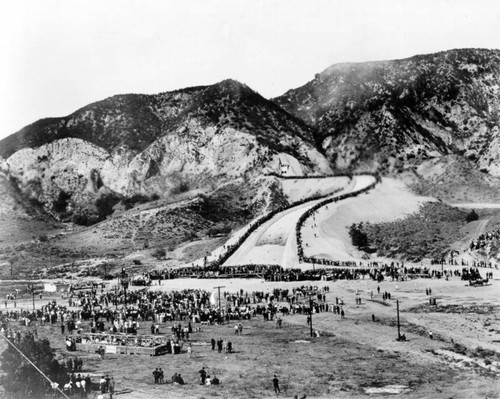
{"x":88,"y":384}
{"x":276,"y":384}
{"x":203,"y":375}
{"x":111,"y":387}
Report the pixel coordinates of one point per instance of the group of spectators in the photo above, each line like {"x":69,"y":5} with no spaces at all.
{"x":81,"y":386}
{"x":349,"y":271}
{"x":311,"y":212}
{"x":484,"y":239}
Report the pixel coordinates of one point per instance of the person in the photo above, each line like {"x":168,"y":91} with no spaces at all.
{"x":342,"y":313}
{"x":101,"y":351}
{"x":203,"y":375}
{"x":160,"y":376}
{"x":213,"y":343}
{"x":102,"y":384}
{"x":208,"y":381}
{"x":190,"y":350}
{"x":156,"y":375}
{"x":276,"y":384}
{"x":83,"y":386}
{"x":215,"y":380}
{"x":179,"y":380}
{"x":373,"y":317}
{"x":88,"y":383}
{"x":430,"y":334}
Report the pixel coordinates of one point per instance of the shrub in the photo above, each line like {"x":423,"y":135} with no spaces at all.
{"x":61,"y":202}
{"x":180,"y":188}
{"x":358,"y":237}
{"x":426,"y":233}
{"x":22,"y":379}
{"x":159,"y":253}
{"x":471,"y":216}
{"x":105,"y":204}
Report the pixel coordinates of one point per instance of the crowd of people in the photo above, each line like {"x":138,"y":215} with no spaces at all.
{"x":339,"y":271}
{"x":311,"y":212}
{"x":484,"y":239}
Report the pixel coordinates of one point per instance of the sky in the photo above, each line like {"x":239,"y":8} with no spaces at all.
{"x":58,"y":55}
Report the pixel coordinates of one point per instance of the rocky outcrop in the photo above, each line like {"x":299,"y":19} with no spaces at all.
{"x":205,"y":138}
{"x":393,"y":115}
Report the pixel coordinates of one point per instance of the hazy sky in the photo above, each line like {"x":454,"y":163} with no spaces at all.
{"x":59,"y":55}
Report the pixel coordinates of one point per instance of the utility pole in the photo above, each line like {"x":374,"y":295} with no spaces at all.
{"x":218,"y":288}
{"x":310,"y":293}
{"x":31,"y":287}
{"x":311,"y":314}
{"x":124,"y":282}
{"x":399,"y":330}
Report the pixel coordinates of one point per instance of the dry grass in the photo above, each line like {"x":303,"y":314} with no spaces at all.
{"x":351,"y":355}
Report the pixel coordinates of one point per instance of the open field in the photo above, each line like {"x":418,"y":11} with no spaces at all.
{"x":352,"y":356}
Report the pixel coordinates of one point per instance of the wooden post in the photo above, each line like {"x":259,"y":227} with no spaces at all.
{"x":311,"y":315}
{"x":399,"y":330}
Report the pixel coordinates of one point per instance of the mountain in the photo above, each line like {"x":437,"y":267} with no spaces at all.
{"x":394,"y":115}
{"x":139,"y":147}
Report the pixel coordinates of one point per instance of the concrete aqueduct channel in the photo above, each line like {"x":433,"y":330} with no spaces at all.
{"x":275,"y":241}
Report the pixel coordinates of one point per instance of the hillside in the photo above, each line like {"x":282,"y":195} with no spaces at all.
{"x":393,"y":115}
{"x":155,"y":146}
{"x":21,"y":218}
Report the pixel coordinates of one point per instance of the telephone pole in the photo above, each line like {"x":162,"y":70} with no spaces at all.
{"x":399,"y":330}
{"x":124,"y":283}
{"x":311,"y":314}
{"x":310,"y":293}
{"x":31,"y":287}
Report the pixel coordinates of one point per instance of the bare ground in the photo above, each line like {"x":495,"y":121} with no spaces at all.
{"x":353,"y":356}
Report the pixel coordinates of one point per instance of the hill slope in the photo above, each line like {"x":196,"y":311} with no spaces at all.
{"x":155,"y":146}
{"x":395,"y":114}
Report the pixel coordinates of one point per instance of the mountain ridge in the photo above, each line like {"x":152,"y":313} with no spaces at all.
{"x":431,"y":120}
{"x":154,"y":145}
{"x":390,"y":116}
{"x":414,"y":108}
